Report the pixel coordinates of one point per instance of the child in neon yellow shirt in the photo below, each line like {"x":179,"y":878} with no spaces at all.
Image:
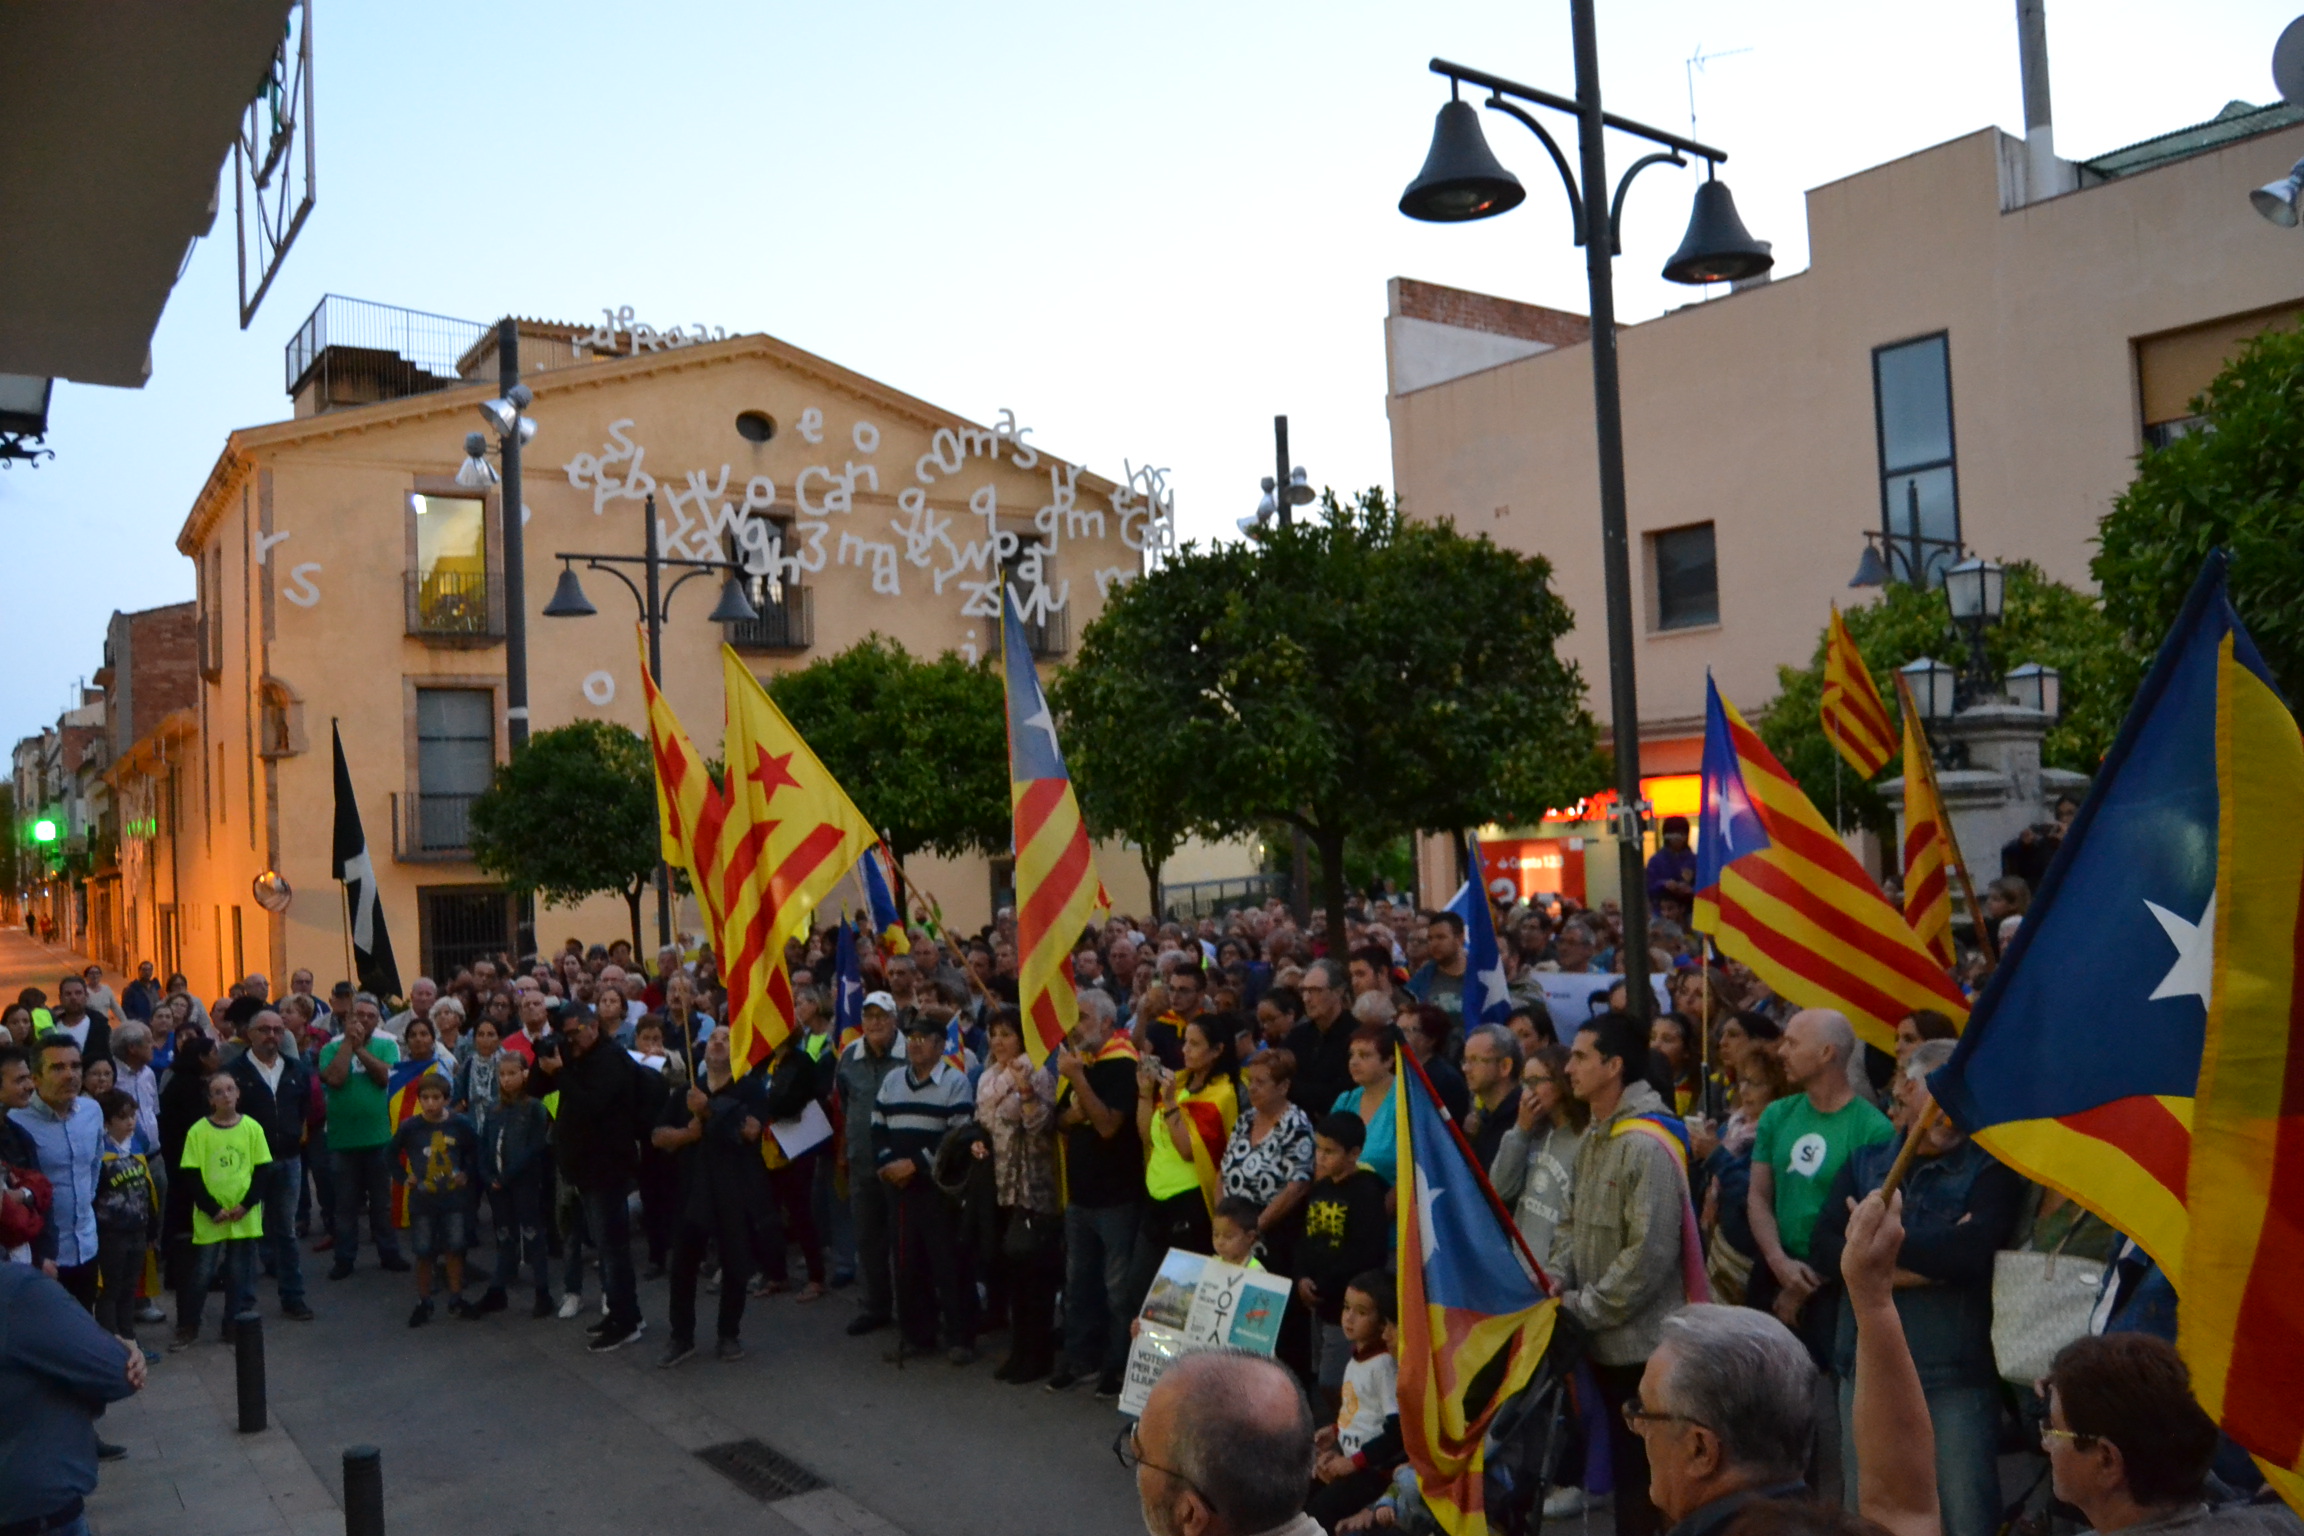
{"x":228,"y":1165}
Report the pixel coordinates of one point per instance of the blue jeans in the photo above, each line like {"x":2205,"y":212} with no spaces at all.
{"x":237,"y":1258}
{"x":1967,"y":1421}
{"x":364,"y":1182}
{"x":1099,"y":1251}
{"x":610,"y":1219}
{"x":280,"y":1251}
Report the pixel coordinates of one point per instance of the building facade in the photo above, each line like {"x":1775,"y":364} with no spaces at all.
{"x":1960,"y":368}
{"x":349,"y":586}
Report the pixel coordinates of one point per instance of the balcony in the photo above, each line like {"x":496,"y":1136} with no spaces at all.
{"x":789,"y":625}
{"x":456,"y":608}
{"x":1048,"y":635}
{"x":432,"y":829}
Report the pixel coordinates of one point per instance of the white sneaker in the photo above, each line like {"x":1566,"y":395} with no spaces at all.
{"x":570,"y":1305}
{"x":1565,"y":1503}
{"x":603,"y":1303}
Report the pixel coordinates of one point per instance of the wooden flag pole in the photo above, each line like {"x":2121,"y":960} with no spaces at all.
{"x":1903,"y":1164}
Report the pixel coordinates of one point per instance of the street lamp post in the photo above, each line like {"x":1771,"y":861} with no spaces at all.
{"x":507,"y":416}
{"x":1285,"y":489}
{"x":569,"y":602}
{"x":1461,"y":181}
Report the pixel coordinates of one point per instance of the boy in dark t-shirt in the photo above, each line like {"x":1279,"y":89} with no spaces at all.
{"x":438,"y":1157}
{"x":1346,"y":1231}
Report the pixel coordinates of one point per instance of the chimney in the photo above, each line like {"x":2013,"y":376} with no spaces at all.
{"x":2045,"y":174}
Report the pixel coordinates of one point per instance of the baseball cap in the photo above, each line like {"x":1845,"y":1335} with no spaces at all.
{"x":881,"y":1000}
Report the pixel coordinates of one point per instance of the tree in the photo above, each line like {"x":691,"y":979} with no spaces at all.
{"x":2235,"y":482}
{"x":2042,"y":621}
{"x":1357,"y":675}
{"x":920,"y":746}
{"x":572,"y":815}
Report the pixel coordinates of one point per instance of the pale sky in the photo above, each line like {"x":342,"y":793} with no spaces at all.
{"x":1146,"y":229}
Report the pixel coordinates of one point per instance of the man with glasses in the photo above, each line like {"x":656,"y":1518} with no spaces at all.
{"x":1492,"y":1078}
{"x":1725,"y":1411}
{"x":1224,"y":1449}
{"x":1322,"y":1044}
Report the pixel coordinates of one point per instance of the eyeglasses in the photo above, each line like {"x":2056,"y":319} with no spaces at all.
{"x":1635,"y":1416}
{"x":1130,"y":1455}
{"x":2080,"y":1442}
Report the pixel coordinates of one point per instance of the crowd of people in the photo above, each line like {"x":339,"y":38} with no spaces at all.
{"x":1229,"y":1090}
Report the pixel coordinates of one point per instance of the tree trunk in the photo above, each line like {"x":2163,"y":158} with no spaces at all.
{"x":1331,"y":847}
{"x":632,"y":901}
{"x":1152,"y":882}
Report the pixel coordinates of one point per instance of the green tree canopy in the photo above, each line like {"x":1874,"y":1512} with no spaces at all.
{"x":920,"y":746}
{"x":572,"y":815}
{"x":2238,"y":482}
{"x":2043,"y":621}
{"x":1357,"y":675}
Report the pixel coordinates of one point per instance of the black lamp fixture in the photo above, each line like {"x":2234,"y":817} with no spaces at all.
{"x":1717,"y":248}
{"x":1462,"y":179}
{"x":734,"y":607}
{"x":568,"y":599}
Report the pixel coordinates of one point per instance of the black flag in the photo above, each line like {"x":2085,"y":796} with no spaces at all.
{"x":371,"y":945}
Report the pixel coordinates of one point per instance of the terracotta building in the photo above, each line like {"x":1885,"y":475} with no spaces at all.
{"x":348,"y":581}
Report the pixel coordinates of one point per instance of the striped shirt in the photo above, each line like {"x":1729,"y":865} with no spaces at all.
{"x":911,"y":1115}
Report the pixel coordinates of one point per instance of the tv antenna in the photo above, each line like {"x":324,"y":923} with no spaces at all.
{"x":1695,"y":67}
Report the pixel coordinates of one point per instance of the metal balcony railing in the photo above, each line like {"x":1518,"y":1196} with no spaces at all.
{"x":1048,"y":635}
{"x":789,"y":625}
{"x":431,"y":828}
{"x":456,"y":605}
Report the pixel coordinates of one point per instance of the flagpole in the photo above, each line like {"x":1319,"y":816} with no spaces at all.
{"x":1472,"y":1159}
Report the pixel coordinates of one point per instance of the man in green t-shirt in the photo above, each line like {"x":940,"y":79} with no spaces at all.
{"x":353,"y":1069}
{"x":227,"y":1164}
{"x":1799,"y":1147}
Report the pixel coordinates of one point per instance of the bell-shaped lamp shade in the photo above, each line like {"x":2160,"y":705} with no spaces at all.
{"x":1717,"y":248}
{"x":1461,"y":180}
{"x":568,"y":599}
{"x":2276,"y":200}
{"x":1931,"y":683}
{"x":1300,"y":492}
{"x":476,"y":473}
{"x":1975,"y":589}
{"x":2037,"y":687}
{"x":503,"y":415}
{"x":527,"y":430}
{"x":734,"y":607}
{"x":1251,"y":527}
{"x":1871,"y":570}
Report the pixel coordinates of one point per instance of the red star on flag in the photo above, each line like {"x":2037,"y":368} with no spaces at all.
{"x":773,"y":772}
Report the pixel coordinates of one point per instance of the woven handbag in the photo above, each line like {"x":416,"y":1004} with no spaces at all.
{"x":2040,"y":1303}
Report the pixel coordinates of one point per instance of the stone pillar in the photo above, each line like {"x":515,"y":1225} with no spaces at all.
{"x":2000,"y":790}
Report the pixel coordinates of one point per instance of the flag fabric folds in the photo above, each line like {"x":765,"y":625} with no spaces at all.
{"x":2241,"y":1322}
{"x":1779,"y":891}
{"x":2140,"y":1048}
{"x":1472,"y":1316}
{"x":689,"y":810}
{"x":1930,"y":856}
{"x":1057,"y":892}
{"x":887,"y":918}
{"x":1485,"y":1000}
{"x":2079,"y":1064}
{"x":363,"y":911}
{"x":847,"y":990}
{"x":791,"y":834}
{"x":1855,"y":719}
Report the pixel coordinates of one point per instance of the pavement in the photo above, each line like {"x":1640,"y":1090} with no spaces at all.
{"x":26,"y":962}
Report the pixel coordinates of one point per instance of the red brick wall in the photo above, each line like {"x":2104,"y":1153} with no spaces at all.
{"x":164,"y":663}
{"x":1485,"y":312}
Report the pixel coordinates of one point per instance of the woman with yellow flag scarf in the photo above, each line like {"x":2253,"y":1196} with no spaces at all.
{"x":1185,"y":1119}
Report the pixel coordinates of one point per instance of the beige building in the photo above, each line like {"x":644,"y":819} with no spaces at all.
{"x":1961,"y":362}
{"x":347,"y":580}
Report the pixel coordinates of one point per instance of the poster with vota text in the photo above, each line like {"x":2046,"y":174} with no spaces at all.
{"x":1197,"y":1302}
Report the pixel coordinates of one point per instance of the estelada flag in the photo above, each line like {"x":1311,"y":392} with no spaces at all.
{"x":791,"y":834}
{"x":1474,"y":1320}
{"x":689,"y":810}
{"x":1779,"y":891}
{"x":400,"y":1106}
{"x":1855,"y":720}
{"x":1057,"y":892}
{"x":2139,"y":1048}
{"x":2241,"y":1324}
{"x":1930,"y":855}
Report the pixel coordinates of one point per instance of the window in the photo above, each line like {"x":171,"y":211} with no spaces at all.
{"x":1684,"y":578}
{"x":1919,"y":494}
{"x":451,"y":578}
{"x":458,"y":924}
{"x":211,"y":571}
{"x":455,"y":757}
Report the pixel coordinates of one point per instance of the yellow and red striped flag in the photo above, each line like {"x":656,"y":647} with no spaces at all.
{"x":1855,"y":720}
{"x":2241,"y":1325}
{"x":1931,"y":857}
{"x":1057,"y":892}
{"x":689,"y":810}
{"x":1779,"y":891}
{"x":791,"y":834}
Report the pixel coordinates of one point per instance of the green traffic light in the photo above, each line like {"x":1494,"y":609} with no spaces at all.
{"x":44,"y":830}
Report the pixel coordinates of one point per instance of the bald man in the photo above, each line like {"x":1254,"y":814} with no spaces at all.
{"x":1224,"y":1449}
{"x":1802,"y":1142}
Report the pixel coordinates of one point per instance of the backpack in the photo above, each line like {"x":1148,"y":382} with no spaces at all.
{"x":20,"y":1223}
